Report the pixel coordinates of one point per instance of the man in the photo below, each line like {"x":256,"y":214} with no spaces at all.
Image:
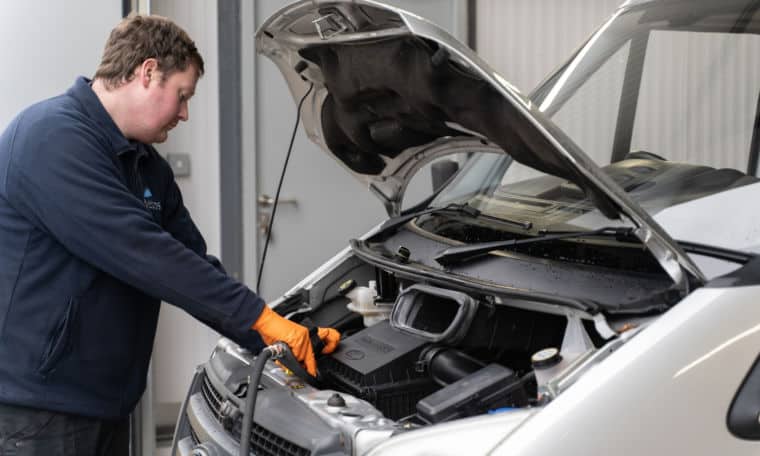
{"x":93,"y":235}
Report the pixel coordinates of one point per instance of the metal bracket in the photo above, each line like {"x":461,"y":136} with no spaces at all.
{"x":329,"y":25}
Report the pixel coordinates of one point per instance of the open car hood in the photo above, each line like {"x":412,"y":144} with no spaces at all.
{"x":391,"y":91}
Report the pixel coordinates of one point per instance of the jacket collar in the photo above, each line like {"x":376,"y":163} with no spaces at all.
{"x":82,"y":92}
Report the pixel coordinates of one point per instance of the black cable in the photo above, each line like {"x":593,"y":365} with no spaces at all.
{"x":250,"y":396}
{"x":279,"y":187}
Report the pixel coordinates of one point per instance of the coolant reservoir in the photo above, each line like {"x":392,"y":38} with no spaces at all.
{"x":364,"y":301}
{"x":547,"y":363}
{"x":550,"y":362}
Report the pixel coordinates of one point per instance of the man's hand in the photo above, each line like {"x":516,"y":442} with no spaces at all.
{"x":272,"y":328}
{"x":330,"y":338}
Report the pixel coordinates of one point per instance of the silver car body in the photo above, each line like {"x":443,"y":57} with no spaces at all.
{"x":640,"y":400}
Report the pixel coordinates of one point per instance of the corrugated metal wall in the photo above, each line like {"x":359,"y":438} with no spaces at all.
{"x":677,"y":115}
{"x":524,"y":40}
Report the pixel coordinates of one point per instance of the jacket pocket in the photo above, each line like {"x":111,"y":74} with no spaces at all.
{"x":59,"y":342}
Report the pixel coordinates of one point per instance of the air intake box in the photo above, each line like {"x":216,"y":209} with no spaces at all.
{"x":377,"y":364}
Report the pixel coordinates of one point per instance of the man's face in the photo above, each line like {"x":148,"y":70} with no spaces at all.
{"x":166,"y":103}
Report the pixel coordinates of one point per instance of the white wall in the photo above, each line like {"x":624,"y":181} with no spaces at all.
{"x":46,"y":45}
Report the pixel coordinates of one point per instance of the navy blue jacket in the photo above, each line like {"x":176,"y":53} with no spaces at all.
{"x":93,"y":235}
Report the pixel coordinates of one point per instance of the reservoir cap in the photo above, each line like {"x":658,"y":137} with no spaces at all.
{"x":548,"y":357}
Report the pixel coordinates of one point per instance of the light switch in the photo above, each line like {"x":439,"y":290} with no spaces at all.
{"x":180,"y":164}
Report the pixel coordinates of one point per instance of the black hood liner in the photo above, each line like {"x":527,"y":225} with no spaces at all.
{"x":391,"y":94}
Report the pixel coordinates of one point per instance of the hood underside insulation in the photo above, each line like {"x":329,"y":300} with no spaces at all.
{"x":391,"y":94}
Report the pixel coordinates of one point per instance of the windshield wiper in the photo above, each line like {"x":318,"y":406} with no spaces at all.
{"x":464,"y":253}
{"x":459,"y":208}
{"x":720,"y":253}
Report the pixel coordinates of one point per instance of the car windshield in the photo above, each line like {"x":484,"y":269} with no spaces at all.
{"x":663,"y":98}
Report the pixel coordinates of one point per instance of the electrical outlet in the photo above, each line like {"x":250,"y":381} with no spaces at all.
{"x":180,"y":164}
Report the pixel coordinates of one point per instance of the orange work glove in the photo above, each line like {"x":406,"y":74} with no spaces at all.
{"x":330,"y":338}
{"x":272,"y":328}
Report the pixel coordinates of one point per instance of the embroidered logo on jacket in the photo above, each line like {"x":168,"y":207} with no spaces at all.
{"x":149,"y":203}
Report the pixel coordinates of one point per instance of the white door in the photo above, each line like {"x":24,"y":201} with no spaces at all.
{"x":321,"y":205}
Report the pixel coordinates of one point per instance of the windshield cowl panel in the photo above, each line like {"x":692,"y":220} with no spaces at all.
{"x":600,"y":283}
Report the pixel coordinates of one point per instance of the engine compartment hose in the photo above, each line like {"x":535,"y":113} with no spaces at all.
{"x":273,"y":351}
{"x":448,"y":365}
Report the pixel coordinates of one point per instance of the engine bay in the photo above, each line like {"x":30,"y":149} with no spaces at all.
{"x":424,"y":344}
{"x":423,"y":354}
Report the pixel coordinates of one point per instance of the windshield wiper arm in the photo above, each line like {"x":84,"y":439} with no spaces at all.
{"x":464,"y":253}
{"x":462,"y":208}
{"x":734,"y":256}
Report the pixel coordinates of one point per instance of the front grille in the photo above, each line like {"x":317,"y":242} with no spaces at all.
{"x":267,"y":443}
{"x":212,"y":397}
{"x":263,"y":441}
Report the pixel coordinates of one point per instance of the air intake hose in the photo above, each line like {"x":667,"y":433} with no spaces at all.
{"x":448,"y":365}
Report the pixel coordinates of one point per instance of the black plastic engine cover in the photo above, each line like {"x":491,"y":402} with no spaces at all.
{"x":377,"y":364}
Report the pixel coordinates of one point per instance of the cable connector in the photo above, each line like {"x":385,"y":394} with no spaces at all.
{"x":277,"y":350}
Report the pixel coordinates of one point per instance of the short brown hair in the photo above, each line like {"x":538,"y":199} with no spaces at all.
{"x":138,"y":38}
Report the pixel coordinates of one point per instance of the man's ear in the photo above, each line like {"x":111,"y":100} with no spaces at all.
{"x":147,"y":71}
